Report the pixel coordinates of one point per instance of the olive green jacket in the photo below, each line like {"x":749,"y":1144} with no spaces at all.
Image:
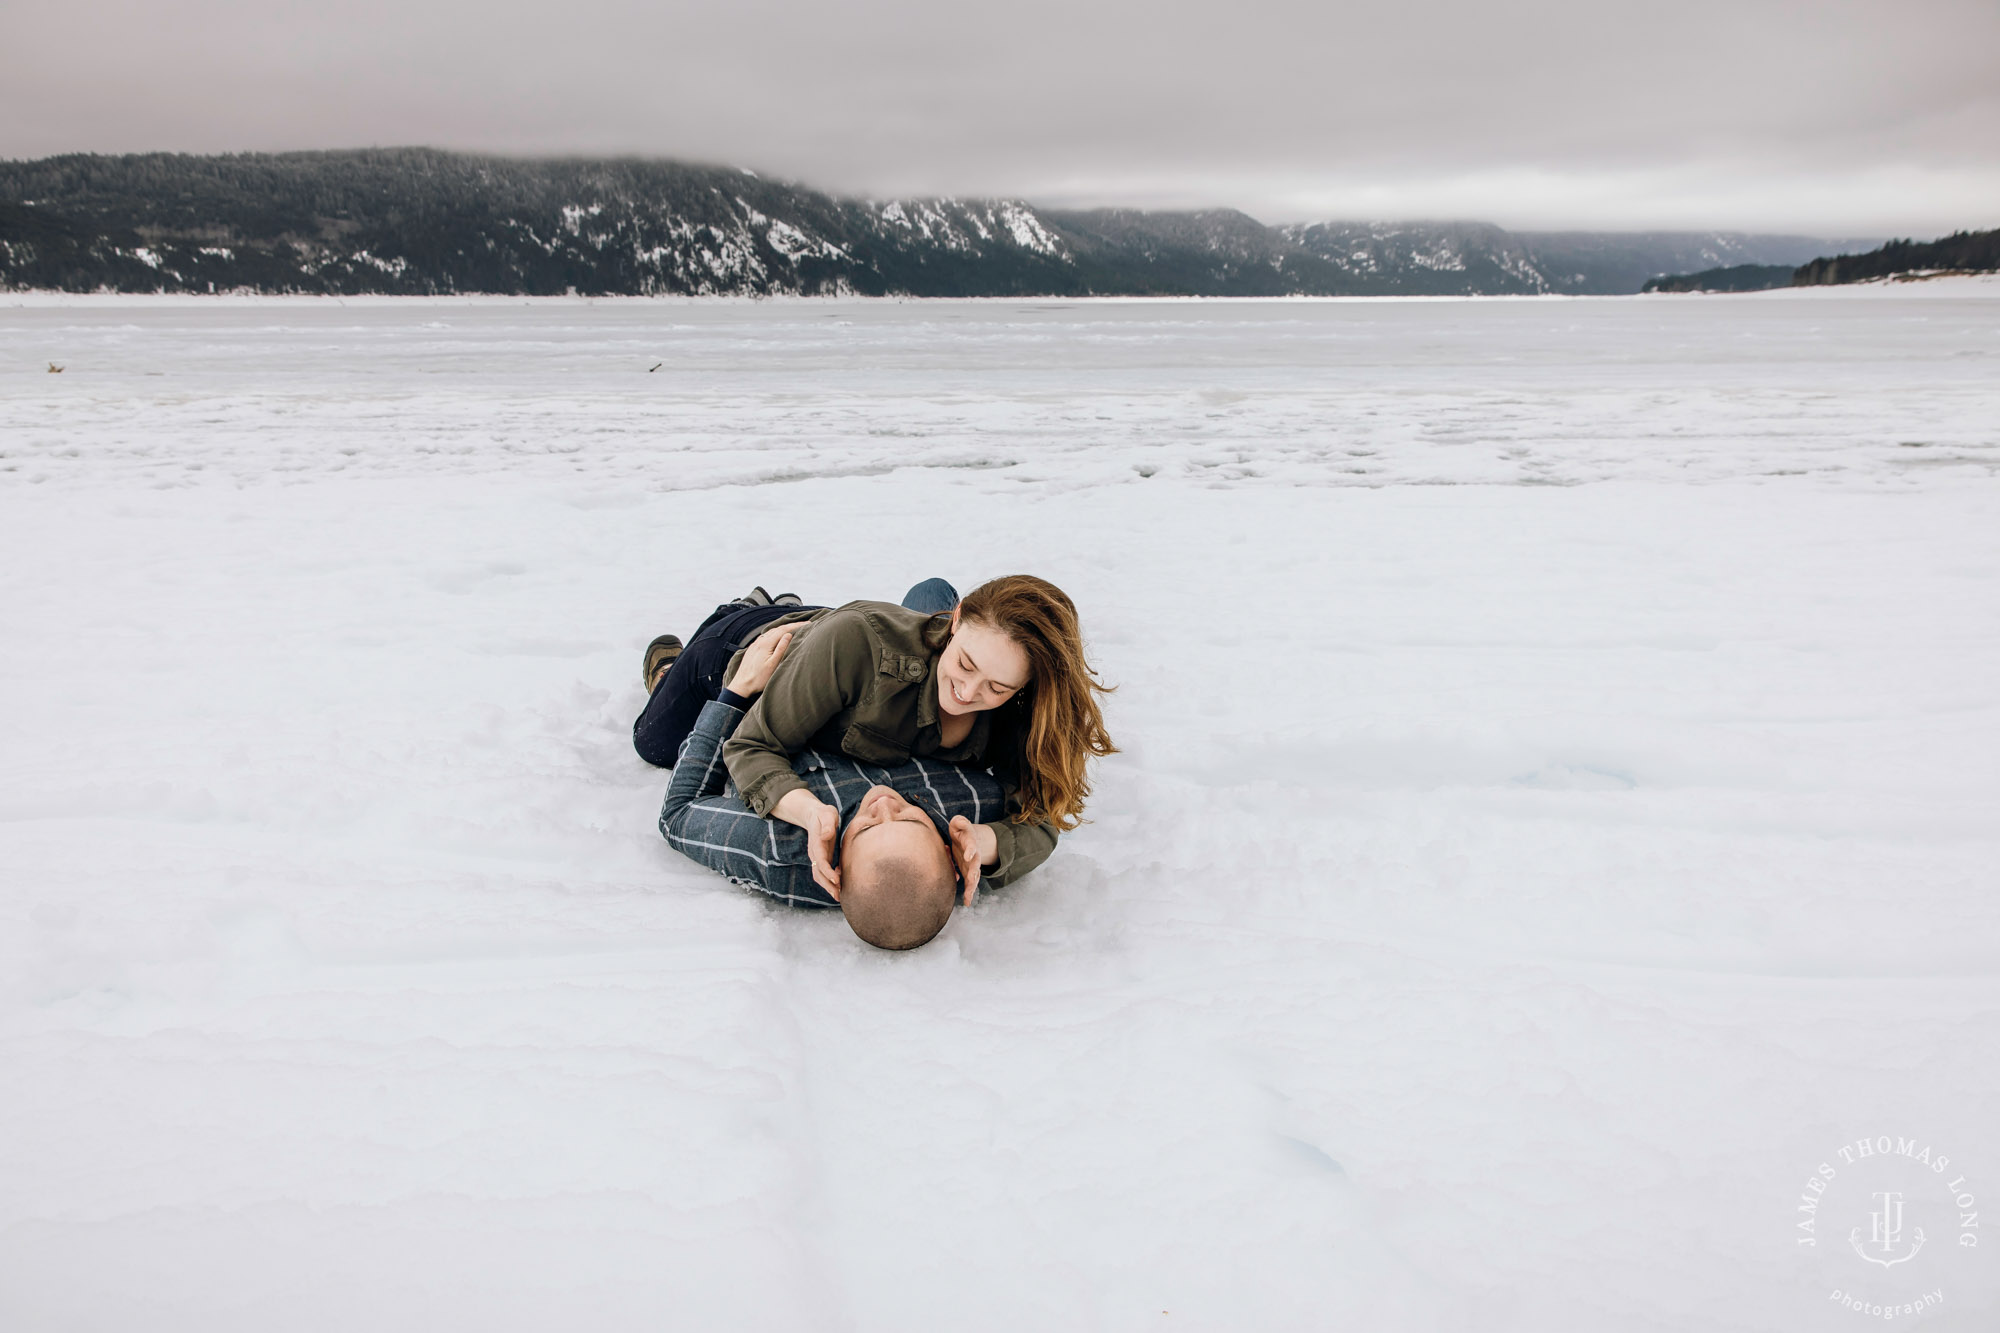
{"x":862,"y":679}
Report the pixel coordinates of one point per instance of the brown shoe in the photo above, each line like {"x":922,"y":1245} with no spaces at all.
{"x":660,"y":654}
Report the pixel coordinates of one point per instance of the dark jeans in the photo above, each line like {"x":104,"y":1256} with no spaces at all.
{"x":932,"y":595}
{"x":696,"y":675}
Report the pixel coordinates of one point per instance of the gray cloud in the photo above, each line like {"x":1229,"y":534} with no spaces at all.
{"x":1828,"y":115}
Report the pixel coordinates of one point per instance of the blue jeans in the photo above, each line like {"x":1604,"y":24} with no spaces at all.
{"x":932,"y":595}
{"x":696,"y":675}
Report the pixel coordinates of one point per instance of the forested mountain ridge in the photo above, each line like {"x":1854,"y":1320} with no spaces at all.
{"x":1960,"y":252}
{"x":421,"y":221}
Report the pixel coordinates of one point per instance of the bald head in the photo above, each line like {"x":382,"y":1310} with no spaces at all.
{"x":896,"y":885}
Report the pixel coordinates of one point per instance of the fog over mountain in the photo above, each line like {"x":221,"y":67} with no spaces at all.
{"x":1863,"y":117}
{"x":418,"y":221}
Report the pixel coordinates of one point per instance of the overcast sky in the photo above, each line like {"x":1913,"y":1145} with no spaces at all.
{"x":1830,"y":117}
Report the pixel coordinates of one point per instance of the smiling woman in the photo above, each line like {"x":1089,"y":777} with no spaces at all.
{"x":999,"y":680}
{"x":1016,"y":640}
{"x":886,"y":759}
{"x":964,"y":687}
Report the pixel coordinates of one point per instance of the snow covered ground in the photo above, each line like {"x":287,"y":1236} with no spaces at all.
{"x":1558,"y":810}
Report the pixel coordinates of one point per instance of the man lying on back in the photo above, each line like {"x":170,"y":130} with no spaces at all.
{"x":895,"y":878}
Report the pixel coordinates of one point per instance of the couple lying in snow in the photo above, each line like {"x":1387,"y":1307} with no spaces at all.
{"x":879,"y":758}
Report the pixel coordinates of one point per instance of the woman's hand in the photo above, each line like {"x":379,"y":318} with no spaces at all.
{"x":972,"y":846}
{"x":760,"y":659}
{"x":821,"y":823}
{"x":822,"y":837}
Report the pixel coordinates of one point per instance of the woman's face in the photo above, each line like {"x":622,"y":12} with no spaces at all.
{"x":981,"y":668}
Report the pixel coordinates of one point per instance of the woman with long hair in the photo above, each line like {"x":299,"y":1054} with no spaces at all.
{"x":997,"y":679}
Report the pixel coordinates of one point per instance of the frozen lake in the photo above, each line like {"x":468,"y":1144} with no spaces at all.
{"x":1559,"y":808}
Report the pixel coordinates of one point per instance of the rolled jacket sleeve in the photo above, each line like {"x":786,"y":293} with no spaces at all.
{"x":1021,"y":848}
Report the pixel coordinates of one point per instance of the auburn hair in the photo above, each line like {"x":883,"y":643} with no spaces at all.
{"x":1056,"y":727}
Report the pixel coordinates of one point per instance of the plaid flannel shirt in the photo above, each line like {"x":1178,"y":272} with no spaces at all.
{"x":705,"y":819}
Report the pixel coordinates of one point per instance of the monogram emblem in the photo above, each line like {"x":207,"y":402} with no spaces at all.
{"x":1886,"y":1233}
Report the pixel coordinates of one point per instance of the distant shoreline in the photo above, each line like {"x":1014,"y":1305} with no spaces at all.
{"x":1935,"y":284}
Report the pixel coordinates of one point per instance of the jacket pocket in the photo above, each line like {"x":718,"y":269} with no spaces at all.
{"x":871,"y":746}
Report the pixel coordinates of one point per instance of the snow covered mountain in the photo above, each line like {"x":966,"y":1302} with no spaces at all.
{"x":1452,"y":258}
{"x":418,"y":221}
